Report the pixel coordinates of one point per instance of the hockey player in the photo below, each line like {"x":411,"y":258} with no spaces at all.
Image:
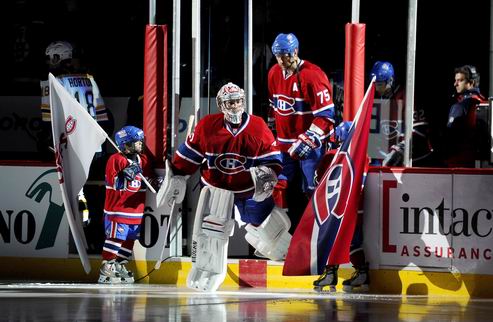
{"x":360,"y":279}
{"x":83,"y":87}
{"x":300,"y":95}
{"x":124,"y":204}
{"x":387,"y":90}
{"x":239,"y":161}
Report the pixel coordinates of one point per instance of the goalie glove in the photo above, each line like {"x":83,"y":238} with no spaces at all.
{"x":131,"y":171}
{"x":304,"y":145}
{"x":264,"y":180}
{"x":172,"y":189}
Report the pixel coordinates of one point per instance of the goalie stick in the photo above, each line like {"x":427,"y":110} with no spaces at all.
{"x":158,"y":263}
{"x":172,"y":211}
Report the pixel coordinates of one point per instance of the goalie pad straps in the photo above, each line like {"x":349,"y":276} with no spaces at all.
{"x":271,"y":239}
{"x":264,"y":180}
{"x":212,"y":227}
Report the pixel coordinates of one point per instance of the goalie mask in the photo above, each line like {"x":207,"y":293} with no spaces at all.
{"x":58,"y":51}
{"x":130,"y":138}
{"x":231,"y":101}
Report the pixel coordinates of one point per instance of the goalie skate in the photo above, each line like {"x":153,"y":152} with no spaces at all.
{"x":212,"y":227}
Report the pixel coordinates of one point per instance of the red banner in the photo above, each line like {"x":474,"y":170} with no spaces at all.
{"x":156,"y":91}
{"x":326,"y":229}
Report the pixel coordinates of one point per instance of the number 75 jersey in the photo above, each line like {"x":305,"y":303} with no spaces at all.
{"x":83,"y":88}
{"x":298,"y":99}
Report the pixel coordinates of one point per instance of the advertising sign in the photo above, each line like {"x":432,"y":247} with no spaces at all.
{"x":415,"y":218}
{"x":430,"y":220}
{"x":32,"y":222}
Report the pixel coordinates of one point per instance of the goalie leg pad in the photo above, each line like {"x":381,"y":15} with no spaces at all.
{"x":212,"y":227}
{"x":271,"y":239}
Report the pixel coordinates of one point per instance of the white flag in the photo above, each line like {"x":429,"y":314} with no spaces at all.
{"x":76,"y":138}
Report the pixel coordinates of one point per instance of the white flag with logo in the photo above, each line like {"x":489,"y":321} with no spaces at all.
{"x":76,"y":138}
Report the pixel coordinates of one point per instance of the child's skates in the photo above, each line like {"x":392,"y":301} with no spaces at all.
{"x":327,"y":282}
{"x":108,"y":273}
{"x":127,"y":277}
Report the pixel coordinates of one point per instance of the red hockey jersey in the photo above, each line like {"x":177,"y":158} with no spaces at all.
{"x":225,"y":155}
{"x":298,"y":100}
{"x":124,"y":202}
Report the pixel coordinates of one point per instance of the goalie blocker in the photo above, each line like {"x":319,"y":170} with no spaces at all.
{"x":214,"y":225}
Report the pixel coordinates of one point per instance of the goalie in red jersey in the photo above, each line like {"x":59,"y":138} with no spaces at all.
{"x":239,"y":160}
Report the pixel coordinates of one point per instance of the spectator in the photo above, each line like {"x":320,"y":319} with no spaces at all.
{"x":460,"y":141}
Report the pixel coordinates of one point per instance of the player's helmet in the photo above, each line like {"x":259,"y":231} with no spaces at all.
{"x":59,"y":51}
{"x":285,"y":44}
{"x":384,"y":71}
{"x":127,"y":136}
{"x":232,"y":112}
{"x":342,"y":130}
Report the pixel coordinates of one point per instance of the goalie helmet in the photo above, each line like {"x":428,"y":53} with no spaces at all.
{"x":127,"y":136}
{"x":383,"y":71}
{"x":58,"y":51}
{"x":285,"y":44}
{"x":231,"y":101}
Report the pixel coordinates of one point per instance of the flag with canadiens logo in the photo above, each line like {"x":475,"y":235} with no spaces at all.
{"x":325,"y":231}
{"x":76,"y":138}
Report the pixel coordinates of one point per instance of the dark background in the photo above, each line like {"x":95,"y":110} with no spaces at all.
{"x":109,"y":36}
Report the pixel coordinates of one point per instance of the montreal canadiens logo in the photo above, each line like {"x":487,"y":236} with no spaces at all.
{"x":389,"y":128}
{"x":230,"y":163}
{"x":285,"y":105}
{"x":333,"y":195}
{"x":70,"y":125}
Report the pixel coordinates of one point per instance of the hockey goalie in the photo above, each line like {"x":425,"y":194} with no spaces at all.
{"x":239,"y":162}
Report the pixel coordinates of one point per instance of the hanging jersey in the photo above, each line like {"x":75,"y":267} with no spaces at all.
{"x":85,"y":90}
{"x":225,"y":155}
{"x":124,"y":202}
{"x":298,"y":99}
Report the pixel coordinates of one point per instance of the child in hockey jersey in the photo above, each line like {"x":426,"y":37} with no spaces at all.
{"x":124,"y":204}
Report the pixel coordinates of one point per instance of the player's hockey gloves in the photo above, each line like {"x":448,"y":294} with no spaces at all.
{"x":342,"y":131}
{"x":156,"y":182}
{"x":304,"y":145}
{"x":131,"y":171}
{"x":395,"y":156}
